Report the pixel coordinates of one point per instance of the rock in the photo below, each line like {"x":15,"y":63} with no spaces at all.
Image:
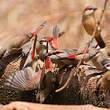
{"x":34,"y":106}
{"x":1,"y":106}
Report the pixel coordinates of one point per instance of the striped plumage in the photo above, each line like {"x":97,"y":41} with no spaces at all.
{"x":65,"y":57}
{"x":25,"y":79}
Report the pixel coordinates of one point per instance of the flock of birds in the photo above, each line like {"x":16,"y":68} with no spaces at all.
{"x":42,"y":58}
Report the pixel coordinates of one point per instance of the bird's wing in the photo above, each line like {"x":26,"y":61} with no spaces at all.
{"x":62,"y":54}
{"x":26,"y":79}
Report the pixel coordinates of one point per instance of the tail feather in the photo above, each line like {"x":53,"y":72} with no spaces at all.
{"x":55,"y":36}
{"x":100,"y":41}
{"x":39,"y":28}
{"x":55,"y":31}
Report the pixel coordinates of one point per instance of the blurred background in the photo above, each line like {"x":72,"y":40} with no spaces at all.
{"x":18,"y":17}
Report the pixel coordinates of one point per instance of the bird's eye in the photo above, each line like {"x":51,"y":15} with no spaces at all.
{"x":40,"y":42}
{"x":107,"y":65}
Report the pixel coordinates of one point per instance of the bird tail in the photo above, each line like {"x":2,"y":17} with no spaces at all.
{"x":100,"y":41}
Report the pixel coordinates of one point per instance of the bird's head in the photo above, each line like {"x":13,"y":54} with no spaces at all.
{"x":89,"y":10}
{"x":43,"y":41}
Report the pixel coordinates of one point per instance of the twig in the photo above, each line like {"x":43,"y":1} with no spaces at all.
{"x":105,"y":4}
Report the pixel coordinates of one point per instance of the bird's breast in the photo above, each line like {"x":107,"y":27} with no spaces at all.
{"x":89,"y":24}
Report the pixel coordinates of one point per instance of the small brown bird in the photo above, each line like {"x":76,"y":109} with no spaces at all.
{"x":89,"y":23}
{"x":99,"y":57}
{"x":101,"y":60}
{"x":104,"y":83}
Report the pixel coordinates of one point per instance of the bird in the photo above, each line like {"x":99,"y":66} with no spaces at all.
{"x":52,"y":43}
{"x":27,"y":53}
{"x":99,"y":57}
{"x":32,"y":77}
{"x":17,"y":44}
{"x":29,"y":77}
{"x":104,"y":84}
{"x":44,"y":47}
{"x":65,"y":57}
{"x":89,"y":24}
{"x":101,"y":60}
{"x":47,"y":87}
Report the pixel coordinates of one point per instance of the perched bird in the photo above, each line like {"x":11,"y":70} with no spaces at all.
{"x":89,"y":23}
